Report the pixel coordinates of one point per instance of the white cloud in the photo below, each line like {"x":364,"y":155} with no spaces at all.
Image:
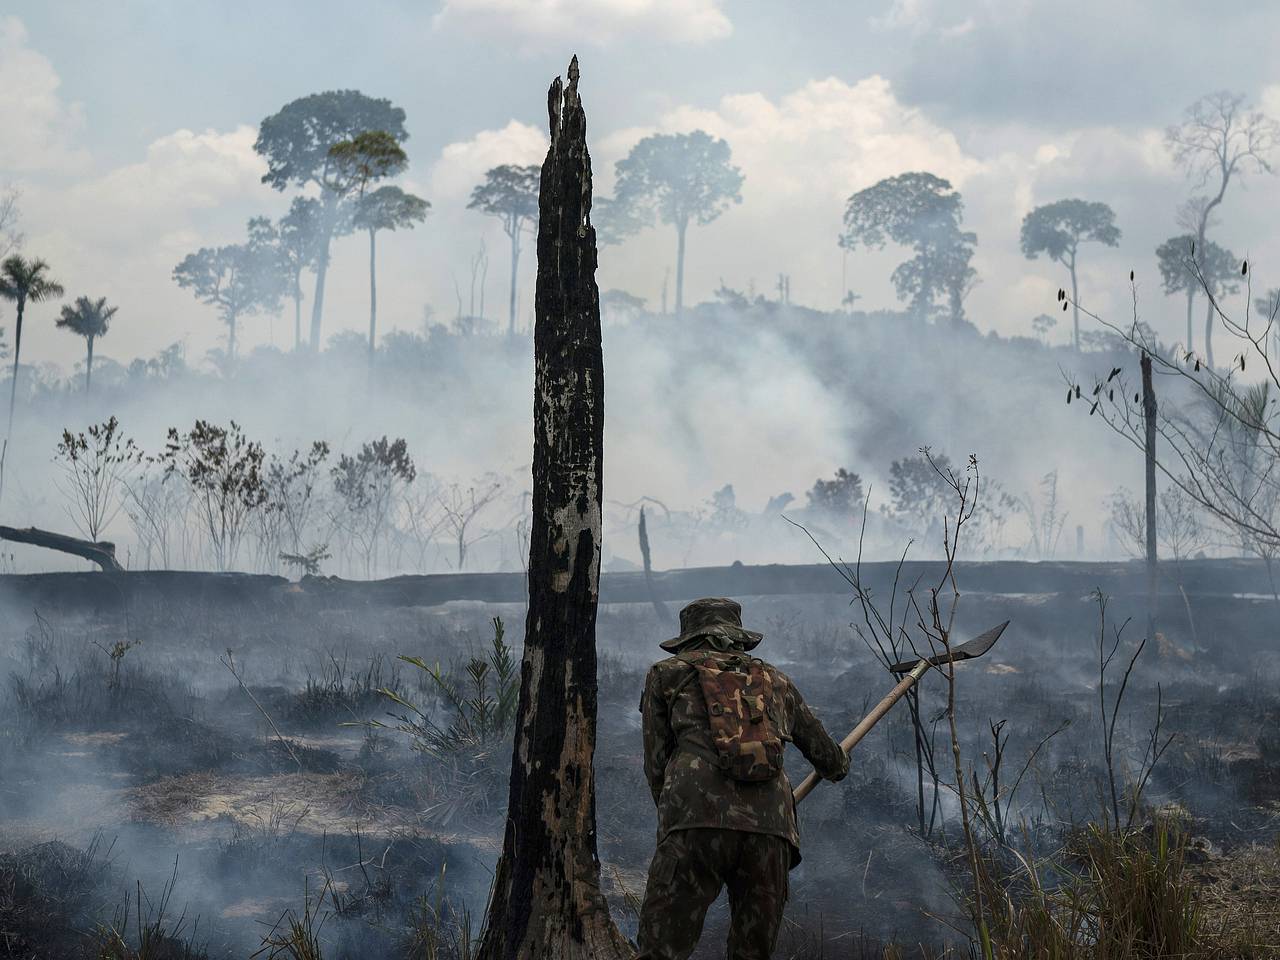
{"x":600,"y":21}
{"x":39,"y":126}
{"x":463,"y":164}
{"x":802,"y":155}
{"x":119,"y":234}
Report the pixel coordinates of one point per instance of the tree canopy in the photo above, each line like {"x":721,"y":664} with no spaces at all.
{"x":296,"y":142}
{"x":27,"y":281}
{"x":677,"y":178}
{"x":1220,"y":267}
{"x":509,"y":192}
{"x":87,"y":318}
{"x":389,"y":208}
{"x":236,"y":279}
{"x":1057,"y":229}
{"x":921,"y":211}
{"x":368,"y":156}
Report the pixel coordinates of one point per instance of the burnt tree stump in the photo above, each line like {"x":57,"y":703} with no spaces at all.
{"x":546,"y":900}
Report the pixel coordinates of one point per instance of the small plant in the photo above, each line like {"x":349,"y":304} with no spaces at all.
{"x":309,"y":562}
{"x":440,"y":930}
{"x":155,"y":937}
{"x":297,"y":936}
{"x":1118,"y":895}
{"x":484,"y":706}
{"x":116,"y":654}
{"x":337,"y":688}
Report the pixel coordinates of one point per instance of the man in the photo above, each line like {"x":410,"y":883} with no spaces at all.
{"x":715,"y":723}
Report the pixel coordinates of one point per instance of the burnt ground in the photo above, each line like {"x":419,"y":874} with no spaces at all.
{"x":163,"y":779}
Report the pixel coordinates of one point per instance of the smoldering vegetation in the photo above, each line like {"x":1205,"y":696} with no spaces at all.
{"x":212,"y":780}
{"x":306,"y":770}
{"x":696,"y":400}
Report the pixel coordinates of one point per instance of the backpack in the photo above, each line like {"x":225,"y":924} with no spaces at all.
{"x":739,"y":696}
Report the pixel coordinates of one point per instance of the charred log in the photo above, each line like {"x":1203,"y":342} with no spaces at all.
{"x":546,"y":900}
{"x":100,"y":552}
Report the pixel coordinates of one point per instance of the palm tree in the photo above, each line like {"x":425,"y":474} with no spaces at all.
{"x":90,"y":319}
{"x":24,"y":281}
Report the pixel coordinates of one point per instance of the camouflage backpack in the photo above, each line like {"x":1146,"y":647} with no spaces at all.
{"x":739,"y":696}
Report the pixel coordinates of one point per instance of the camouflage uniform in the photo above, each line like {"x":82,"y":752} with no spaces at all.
{"x":714,"y":831}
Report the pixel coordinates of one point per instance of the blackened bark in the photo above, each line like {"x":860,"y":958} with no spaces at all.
{"x":1149,"y":418}
{"x":546,"y":900}
{"x":102,"y":553}
{"x":660,"y":608}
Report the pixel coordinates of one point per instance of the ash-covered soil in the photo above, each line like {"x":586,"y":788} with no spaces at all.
{"x":137,"y":763}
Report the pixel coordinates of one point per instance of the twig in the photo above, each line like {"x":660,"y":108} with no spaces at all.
{"x":229,"y":662}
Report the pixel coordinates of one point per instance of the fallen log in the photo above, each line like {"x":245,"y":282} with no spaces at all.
{"x":100,"y":552}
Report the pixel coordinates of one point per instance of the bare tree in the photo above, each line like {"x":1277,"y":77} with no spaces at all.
{"x":1220,"y":437}
{"x":367,"y":485}
{"x":461,"y":507}
{"x":1182,"y":531}
{"x":1046,"y":520}
{"x":157,"y":513}
{"x":292,"y":485}
{"x":423,"y":518}
{"x":546,"y":900}
{"x":1218,"y":140}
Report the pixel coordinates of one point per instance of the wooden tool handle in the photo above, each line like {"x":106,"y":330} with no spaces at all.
{"x":867,"y":722}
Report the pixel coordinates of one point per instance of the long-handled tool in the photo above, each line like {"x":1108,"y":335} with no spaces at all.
{"x":913,"y":670}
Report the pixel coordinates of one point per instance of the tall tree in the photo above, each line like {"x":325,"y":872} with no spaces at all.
{"x":22,"y":282}
{"x":237,"y":279}
{"x":298,"y":236}
{"x":921,"y":211}
{"x":546,"y":900}
{"x":296,"y":144}
{"x":89,"y":319}
{"x":1220,"y":140}
{"x":510,"y":193}
{"x":1057,"y":230}
{"x":676,"y":178}
{"x":1179,"y":258}
{"x":369,"y":156}
{"x":387,"y":208}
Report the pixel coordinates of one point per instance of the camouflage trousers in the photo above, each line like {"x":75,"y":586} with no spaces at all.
{"x":687,"y":873}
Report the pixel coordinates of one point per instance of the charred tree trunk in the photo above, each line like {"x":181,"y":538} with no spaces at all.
{"x":660,"y":608}
{"x":546,"y":900}
{"x":102,"y":553}
{"x":1191,"y":294}
{"x":1149,"y":448}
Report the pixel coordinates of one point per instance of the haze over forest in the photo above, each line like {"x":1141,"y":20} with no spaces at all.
{"x":788,"y":313}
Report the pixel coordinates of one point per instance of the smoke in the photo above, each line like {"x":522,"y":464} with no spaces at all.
{"x":766,"y":398}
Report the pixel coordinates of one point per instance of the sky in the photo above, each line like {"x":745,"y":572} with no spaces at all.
{"x":129,"y":130}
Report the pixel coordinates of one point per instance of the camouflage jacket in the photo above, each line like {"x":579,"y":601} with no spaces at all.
{"x":690,"y":791}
